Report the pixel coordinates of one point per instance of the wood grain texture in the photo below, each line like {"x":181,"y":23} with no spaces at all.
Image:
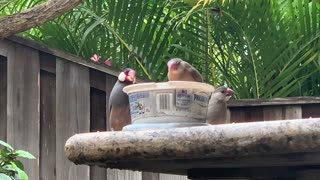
{"x":310,"y":110}
{"x":172,"y":177}
{"x":72,"y":114}
{"x":23,"y":104}
{"x":63,"y":55}
{"x":47,"y":126}
{"x":246,"y":114}
{"x":97,"y":114}
{"x":275,"y":101}
{"x":4,"y":47}
{"x":114,"y":174}
{"x":282,"y":112}
{"x":98,"y":80}
{"x":47,"y":62}
{"x":271,"y":113}
{"x":150,"y":176}
{"x":3,"y":98}
{"x":292,"y":112}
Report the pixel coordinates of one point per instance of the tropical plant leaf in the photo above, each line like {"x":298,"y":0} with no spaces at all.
{"x":25,"y":154}
{"x":261,"y":48}
{"x":6,"y":145}
{"x":4,"y":177}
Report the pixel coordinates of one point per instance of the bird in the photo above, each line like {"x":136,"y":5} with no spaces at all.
{"x":119,"y":101}
{"x":218,"y":112}
{"x":179,"y":70}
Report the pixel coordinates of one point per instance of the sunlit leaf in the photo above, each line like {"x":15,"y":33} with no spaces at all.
{"x":6,"y":145}
{"x":25,"y":154}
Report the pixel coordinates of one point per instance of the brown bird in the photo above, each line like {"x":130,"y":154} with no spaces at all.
{"x":217,"y":108}
{"x":179,"y":70}
{"x":119,"y":101}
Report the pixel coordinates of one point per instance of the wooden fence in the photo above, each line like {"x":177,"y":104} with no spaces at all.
{"x":46,"y":96}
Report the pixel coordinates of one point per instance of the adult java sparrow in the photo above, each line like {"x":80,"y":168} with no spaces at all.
{"x":217,"y":108}
{"x":179,"y":70}
{"x":119,"y":101}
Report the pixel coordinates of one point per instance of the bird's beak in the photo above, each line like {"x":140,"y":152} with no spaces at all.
{"x":229,"y":92}
{"x":173,"y":64}
{"x":131,"y":76}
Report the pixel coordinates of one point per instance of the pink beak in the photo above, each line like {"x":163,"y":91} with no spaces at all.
{"x":173,"y":64}
{"x":229,"y":92}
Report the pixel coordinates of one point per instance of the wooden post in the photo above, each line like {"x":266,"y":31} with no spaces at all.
{"x":23,"y":104}
{"x":97,"y":114}
{"x":47,"y":126}
{"x":3,"y":98}
{"x":72,"y":114}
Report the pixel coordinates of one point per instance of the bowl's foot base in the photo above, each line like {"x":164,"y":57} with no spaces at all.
{"x":139,"y":127}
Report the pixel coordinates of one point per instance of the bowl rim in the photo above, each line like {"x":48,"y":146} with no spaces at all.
{"x":141,"y":87}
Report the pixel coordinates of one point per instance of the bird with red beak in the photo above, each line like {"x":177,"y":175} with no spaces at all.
{"x":119,"y":101}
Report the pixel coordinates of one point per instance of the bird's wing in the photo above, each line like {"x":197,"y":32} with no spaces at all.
{"x":194,"y":73}
{"x":119,"y":117}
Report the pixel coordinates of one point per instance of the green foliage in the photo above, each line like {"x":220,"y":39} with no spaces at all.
{"x":132,"y":33}
{"x":10,"y":166}
{"x":8,"y":7}
{"x":260,"y":48}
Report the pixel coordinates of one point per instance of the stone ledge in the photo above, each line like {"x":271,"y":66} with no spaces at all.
{"x":272,"y":143}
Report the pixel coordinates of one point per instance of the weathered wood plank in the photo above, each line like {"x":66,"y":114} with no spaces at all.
{"x":114,"y":174}
{"x":97,"y":123}
{"x":292,"y":112}
{"x":150,"y":176}
{"x":310,"y":110}
{"x":246,"y":114}
{"x":272,"y":113}
{"x":72,"y":114}
{"x":48,"y":62}
{"x":68,"y":57}
{"x":3,"y":89}
{"x":4,"y":47}
{"x":3,"y":98}
{"x":275,"y":101}
{"x":47,"y":126}
{"x":237,"y":114}
{"x":282,"y":112}
{"x":172,"y":177}
{"x":63,"y":55}
{"x":98,"y":80}
{"x":23,"y":104}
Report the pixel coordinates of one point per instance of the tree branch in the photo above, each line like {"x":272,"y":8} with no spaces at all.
{"x":19,"y":22}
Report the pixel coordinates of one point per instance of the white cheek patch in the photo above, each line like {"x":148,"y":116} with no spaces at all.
{"x":122,"y":76}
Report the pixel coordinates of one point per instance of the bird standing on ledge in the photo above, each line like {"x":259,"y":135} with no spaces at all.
{"x":217,"y":108}
{"x":119,"y":101}
{"x":179,"y":70}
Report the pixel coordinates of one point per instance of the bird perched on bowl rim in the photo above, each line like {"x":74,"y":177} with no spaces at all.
{"x":179,"y":70}
{"x":119,"y":101}
{"x":218,"y":112}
